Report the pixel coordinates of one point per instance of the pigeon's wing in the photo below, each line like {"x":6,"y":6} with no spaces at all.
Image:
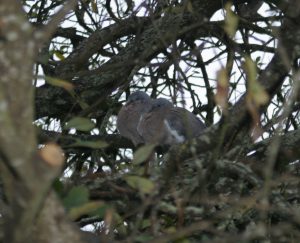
{"x":183,"y":124}
{"x":152,"y":129}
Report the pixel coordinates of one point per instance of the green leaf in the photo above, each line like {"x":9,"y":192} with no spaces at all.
{"x":189,"y":7}
{"x":99,"y":144}
{"x":59,"y":55}
{"x":119,"y":221}
{"x":80,"y":123}
{"x":260,"y":96}
{"x":143,"y":153}
{"x":255,"y":89}
{"x":141,"y":184}
{"x":222,"y":90}
{"x":146,"y":223}
{"x":58,"y":186}
{"x":231,"y":21}
{"x":143,"y":238}
{"x":101,"y":211}
{"x":76,"y":197}
{"x":88,"y":208}
{"x":251,"y":69}
{"x":63,"y":48}
{"x":94,"y":6}
{"x":59,"y":83}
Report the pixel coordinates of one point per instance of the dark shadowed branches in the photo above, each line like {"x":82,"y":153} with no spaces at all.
{"x":67,"y":67}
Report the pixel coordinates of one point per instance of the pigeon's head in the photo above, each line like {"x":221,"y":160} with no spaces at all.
{"x":138,"y":96}
{"x":161,"y":104}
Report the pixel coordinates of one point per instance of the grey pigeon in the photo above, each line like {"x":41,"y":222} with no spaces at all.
{"x":129,"y":116}
{"x":165,"y":124}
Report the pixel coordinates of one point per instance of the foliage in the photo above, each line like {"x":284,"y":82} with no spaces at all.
{"x":71,"y":67}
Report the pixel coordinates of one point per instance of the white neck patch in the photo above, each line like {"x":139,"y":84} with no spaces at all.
{"x":179,"y":138}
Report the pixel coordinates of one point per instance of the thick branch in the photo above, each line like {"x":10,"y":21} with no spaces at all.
{"x":288,"y":150}
{"x":118,"y":71}
{"x":113,"y":140}
{"x":271,"y":79}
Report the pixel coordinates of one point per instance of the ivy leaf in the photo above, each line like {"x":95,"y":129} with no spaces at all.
{"x":59,"y":83}
{"x":59,"y":55}
{"x":143,"y":185}
{"x":260,"y":96}
{"x":88,"y":208}
{"x":142,"y":153}
{"x":256,"y":96}
{"x":58,"y":187}
{"x":119,"y":221}
{"x":80,"y":123}
{"x":146,"y":223}
{"x":99,"y":144}
{"x":231,"y":21}
{"x":63,"y":48}
{"x":144,"y":238}
{"x":222,"y":89}
{"x":189,"y":7}
{"x":94,"y":6}
{"x":76,"y":197}
{"x":52,"y":154}
{"x":256,"y":91}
